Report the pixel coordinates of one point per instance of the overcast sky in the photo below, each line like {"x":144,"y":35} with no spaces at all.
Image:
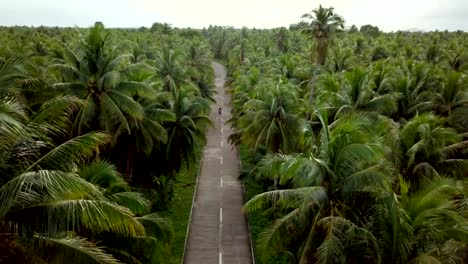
{"x":388,"y":15}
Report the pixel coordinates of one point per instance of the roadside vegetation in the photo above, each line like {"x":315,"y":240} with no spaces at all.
{"x":101,"y":134}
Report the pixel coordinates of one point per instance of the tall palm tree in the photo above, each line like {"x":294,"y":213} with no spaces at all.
{"x":281,"y":37}
{"x":198,"y":62}
{"x":186,"y":131}
{"x":323,"y":23}
{"x":93,"y":72}
{"x":170,"y":68}
{"x":148,"y":135}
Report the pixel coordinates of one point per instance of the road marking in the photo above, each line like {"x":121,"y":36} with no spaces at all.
{"x":221,"y":160}
{"x":221,"y":182}
{"x":220,"y":215}
{"x":220,"y":258}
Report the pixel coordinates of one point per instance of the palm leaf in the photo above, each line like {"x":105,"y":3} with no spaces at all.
{"x":74,"y":150}
{"x":290,"y":198}
{"x":157,"y":227}
{"x":78,"y":249}
{"x":134,"y":201}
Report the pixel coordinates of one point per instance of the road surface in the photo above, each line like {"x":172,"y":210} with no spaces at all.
{"x":218,"y":230}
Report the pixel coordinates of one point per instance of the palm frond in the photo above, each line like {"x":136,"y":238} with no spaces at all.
{"x":292,"y":198}
{"x":76,"y":248}
{"x":134,"y":201}
{"x":156,"y":226}
{"x":74,"y":150}
{"x":30,"y":188}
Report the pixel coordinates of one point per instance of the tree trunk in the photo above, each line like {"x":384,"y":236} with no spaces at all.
{"x":130,"y":158}
{"x":312,"y":91}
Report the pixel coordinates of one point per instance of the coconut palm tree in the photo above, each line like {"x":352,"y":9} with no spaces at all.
{"x":281,"y":39}
{"x":148,"y":248}
{"x":425,"y":227}
{"x":170,"y":68}
{"x":93,"y":72}
{"x":431,"y":149}
{"x":148,"y":135}
{"x":341,"y":59}
{"x":359,"y":96}
{"x":323,"y":207}
{"x":324,"y":22}
{"x":414,"y":87}
{"x":453,"y":94}
{"x":198,"y":61}
{"x":456,"y":60}
{"x":186,"y":131}
{"x":270,"y":120}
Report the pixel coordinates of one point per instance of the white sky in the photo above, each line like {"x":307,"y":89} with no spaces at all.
{"x":388,"y":15}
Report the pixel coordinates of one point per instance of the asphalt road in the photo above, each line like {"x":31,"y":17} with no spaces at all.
{"x":218,"y":230}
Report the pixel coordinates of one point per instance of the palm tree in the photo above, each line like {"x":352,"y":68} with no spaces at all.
{"x":322,"y":210}
{"x":281,"y":37}
{"x":425,"y":227}
{"x":341,"y":59}
{"x":323,"y":23}
{"x":186,"y":131}
{"x":270,"y":120}
{"x":95,"y":74}
{"x":198,"y":61}
{"x":148,"y":135}
{"x":148,"y":248}
{"x":414,"y":87}
{"x":431,"y":149}
{"x":453,"y":94}
{"x":359,"y":96}
{"x":457,"y":60}
{"x":169,"y":67}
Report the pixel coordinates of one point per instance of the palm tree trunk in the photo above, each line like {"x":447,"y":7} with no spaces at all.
{"x":130,"y":158}
{"x":312,"y":91}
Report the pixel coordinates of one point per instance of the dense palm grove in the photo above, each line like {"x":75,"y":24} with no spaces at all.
{"x":354,"y":141}
{"x":90,"y":119}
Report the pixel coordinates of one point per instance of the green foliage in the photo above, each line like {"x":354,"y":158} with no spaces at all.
{"x":375,"y":165}
{"x":88,"y":116}
{"x":369,"y":30}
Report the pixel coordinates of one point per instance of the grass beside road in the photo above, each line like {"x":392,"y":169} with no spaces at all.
{"x":179,"y":211}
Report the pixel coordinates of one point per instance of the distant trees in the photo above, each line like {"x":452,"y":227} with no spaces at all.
{"x":369,"y":30}
{"x":353,"y":29}
{"x":163,"y":28}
